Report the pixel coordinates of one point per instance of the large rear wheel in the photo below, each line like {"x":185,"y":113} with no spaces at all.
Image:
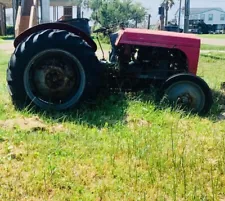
{"x":53,"y":70}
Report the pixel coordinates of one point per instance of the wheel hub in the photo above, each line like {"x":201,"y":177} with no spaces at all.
{"x":185,"y":99}
{"x":187,"y":95}
{"x":55,"y":78}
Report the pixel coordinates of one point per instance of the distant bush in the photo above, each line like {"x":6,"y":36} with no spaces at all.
{"x":9,"y":30}
{"x":102,"y":38}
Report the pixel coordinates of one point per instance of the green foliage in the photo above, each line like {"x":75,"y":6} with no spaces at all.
{"x":104,"y":39}
{"x":112,"y":12}
{"x":106,"y":46}
{"x":9,"y":30}
{"x":168,"y":4}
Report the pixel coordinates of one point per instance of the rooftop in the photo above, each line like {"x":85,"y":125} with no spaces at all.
{"x":8,"y":3}
{"x":203,"y":10}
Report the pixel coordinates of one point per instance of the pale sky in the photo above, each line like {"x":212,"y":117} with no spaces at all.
{"x":153,"y":5}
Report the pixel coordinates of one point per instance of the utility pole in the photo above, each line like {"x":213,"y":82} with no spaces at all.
{"x":186,"y":16}
{"x":162,"y":16}
{"x":166,"y":8}
{"x":179,"y":14}
{"x":78,"y":11}
{"x":149,"y":21}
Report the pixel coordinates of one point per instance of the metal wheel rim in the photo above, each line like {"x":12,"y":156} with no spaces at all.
{"x":190,"y":91}
{"x":28,"y":83}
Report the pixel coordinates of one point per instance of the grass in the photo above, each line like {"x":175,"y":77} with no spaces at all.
{"x":3,"y":39}
{"x":8,"y":37}
{"x":105,"y":46}
{"x":212,"y":47}
{"x":213,"y":36}
{"x":124,"y":148}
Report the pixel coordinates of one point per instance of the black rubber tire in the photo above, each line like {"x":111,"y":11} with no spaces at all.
{"x":45,"y":40}
{"x":196,"y":80}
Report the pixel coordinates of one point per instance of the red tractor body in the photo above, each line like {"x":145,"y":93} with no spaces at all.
{"x":187,"y":43}
{"x":54,"y":66}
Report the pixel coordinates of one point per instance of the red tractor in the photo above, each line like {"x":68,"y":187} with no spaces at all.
{"x":54,"y":66}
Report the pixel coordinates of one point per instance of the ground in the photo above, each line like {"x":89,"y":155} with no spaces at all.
{"x":125,"y":147}
{"x":212,"y":36}
{"x":6,"y":46}
{"x":212,"y":41}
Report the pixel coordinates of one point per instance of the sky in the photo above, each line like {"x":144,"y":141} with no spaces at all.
{"x":152,"y":6}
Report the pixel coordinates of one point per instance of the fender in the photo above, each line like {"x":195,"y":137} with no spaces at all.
{"x":59,"y":26}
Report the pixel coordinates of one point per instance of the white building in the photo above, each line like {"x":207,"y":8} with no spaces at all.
{"x":211,"y":16}
{"x":9,"y":16}
{"x":53,"y":17}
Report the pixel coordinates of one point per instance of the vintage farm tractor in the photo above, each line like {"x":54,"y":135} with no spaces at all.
{"x":54,"y":66}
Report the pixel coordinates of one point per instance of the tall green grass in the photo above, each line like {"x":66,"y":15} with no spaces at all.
{"x":123,"y":148}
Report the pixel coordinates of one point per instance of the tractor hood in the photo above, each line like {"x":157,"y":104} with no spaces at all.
{"x":189,"y":44}
{"x":145,"y":37}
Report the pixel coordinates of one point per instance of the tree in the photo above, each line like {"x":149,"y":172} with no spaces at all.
{"x":167,"y":4}
{"x":112,"y":12}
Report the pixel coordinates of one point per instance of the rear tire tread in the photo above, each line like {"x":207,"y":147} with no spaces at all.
{"x":43,"y":40}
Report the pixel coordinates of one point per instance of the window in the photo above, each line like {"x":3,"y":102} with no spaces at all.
{"x":210,"y":17}
{"x":68,"y":10}
{"x":195,"y":17}
{"x":222,"y":17}
{"x":202,"y":17}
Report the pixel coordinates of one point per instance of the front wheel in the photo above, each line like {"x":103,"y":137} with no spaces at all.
{"x":188,"y":92}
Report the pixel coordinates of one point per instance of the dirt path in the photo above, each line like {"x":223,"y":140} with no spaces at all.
{"x":7,"y":47}
{"x":210,"y":41}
